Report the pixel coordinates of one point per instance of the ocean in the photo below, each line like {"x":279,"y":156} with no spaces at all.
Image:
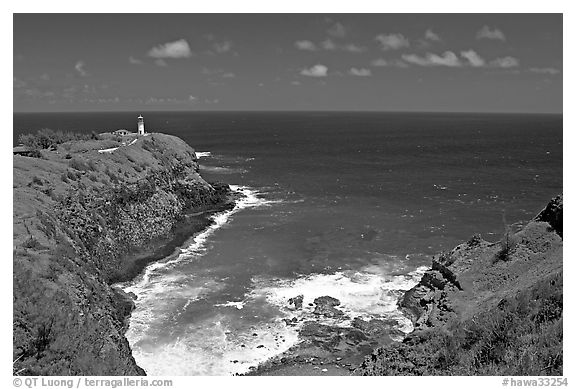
{"x":347,"y":204}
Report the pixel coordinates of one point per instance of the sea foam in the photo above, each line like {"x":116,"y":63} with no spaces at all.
{"x":368,"y":293}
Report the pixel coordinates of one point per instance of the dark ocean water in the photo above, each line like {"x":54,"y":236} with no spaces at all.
{"x":350,"y":205}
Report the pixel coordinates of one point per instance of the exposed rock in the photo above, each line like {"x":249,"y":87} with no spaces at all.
{"x":474,"y":316}
{"x":325,"y":307}
{"x":552,"y":214}
{"x":296,"y":301}
{"x":97,"y":224}
{"x":374,"y":327}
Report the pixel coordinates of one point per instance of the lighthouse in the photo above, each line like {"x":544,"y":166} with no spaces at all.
{"x":140,"y":125}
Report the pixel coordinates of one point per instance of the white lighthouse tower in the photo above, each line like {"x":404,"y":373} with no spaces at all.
{"x":140,"y":125}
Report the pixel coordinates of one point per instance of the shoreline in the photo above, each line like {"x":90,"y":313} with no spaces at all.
{"x":78,"y":218}
{"x":191,"y":224}
{"x":441,"y":298}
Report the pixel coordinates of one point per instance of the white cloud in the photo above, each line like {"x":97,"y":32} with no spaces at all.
{"x":392,"y":41}
{"x":80,"y":68}
{"x":505,"y":62}
{"x":432,"y":36}
{"x":362,"y":72}
{"x":328,"y":45}
{"x":473,"y":58}
{"x":315,"y":71}
{"x":337,"y":30}
{"x":160,"y":62}
{"x":352,"y":48}
{"x":486,"y":33}
{"x":192,"y":98}
{"x":45,"y":77}
{"x":381,"y":62}
{"x":551,"y":71}
{"x":176,"y":49}
{"x":305,"y":45}
{"x":222,"y":47}
{"x":228,"y":75}
{"x":134,"y":61}
{"x":447,"y":59}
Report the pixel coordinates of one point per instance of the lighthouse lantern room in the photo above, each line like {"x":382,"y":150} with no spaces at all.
{"x":140,"y":125}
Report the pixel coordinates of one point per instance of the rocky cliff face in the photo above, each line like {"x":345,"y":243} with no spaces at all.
{"x":486,"y":308}
{"x":83,"y":220}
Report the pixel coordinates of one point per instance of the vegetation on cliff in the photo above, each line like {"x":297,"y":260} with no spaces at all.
{"x":81,"y":217}
{"x":486,"y":308}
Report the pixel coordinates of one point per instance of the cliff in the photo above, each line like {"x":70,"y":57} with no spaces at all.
{"x":486,"y":308}
{"x":84,"y":219}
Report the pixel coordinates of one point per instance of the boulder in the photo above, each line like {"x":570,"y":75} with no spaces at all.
{"x":552,"y":214}
{"x":296,"y":301}
{"x":325,"y":307}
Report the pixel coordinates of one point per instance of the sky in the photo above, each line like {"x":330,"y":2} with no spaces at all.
{"x":376,"y":62}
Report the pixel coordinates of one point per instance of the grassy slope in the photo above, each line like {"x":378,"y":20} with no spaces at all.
{"x":505,"y":318}
{"x":77,"y":215}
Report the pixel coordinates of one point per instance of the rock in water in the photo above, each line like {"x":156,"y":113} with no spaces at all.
{"x":325,"y":307}
{"x":552,"y":214}
{"x":296,"y":301}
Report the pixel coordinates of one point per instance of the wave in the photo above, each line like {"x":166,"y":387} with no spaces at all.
{"x":250,"y":198}
{"x":164,"y":292}
{"x":370,"y":293}
{"x":203,"y":154}
{"x":211,"y":347}
{"x":222,"y":170}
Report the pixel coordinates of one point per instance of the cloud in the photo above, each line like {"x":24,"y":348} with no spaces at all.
{"x":45,"y":77}
{"x":392,"y":41}
{"x":134,"y":61}
{"x":337,"y":30}
{"x":160,"y":62}
{"x":473,"y":58}
{"x":80,"y":68}
{"x":447,"y":59}
{"x":176,"y":49}
{"x":352,"y":48}
{"x":486,"y":33}
{"x":381,"y":62}
{"x":551,"y":71}
{"x":222,"y":47}
{"x":432,"y":36}
{"x":505,"y":62}
{"x":315,"y":71}
{"x":228,"y":75}
{"x":328,"y":45}
{"x":305,"y":45}
{"x":362,"y":72}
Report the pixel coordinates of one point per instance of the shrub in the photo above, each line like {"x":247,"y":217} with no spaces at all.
{"x":35,"y":154}
{"x":474,"y":240}
{"x":37,"y":181}
{"x":46,"y":138}
{"x":31,"y":243}
{"x":508,"y":244}
{"x":78,"y":164}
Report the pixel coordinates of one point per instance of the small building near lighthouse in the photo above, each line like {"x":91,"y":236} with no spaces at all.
{"x":140,"y":125}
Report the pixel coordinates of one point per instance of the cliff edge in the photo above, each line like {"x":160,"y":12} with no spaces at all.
{"x":87,"y":214}
{"x":486,"y":308}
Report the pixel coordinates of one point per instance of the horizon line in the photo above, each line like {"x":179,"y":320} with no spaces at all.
{"x":296,"y":111}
